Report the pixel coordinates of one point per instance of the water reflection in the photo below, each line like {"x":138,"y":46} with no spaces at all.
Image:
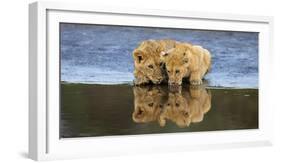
{"x":104,"y":110}
{"x":180,"y":105}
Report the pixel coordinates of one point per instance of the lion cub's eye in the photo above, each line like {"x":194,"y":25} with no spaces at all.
{"x":150,"y":66}
{"x":169,"y":71}
{"x":177,"y":104}
{"x":185,"y":60}
{"x":150,"y":104}
{"x":177,"y":71}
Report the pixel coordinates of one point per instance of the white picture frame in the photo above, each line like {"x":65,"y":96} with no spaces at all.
{"x":44,"y":142}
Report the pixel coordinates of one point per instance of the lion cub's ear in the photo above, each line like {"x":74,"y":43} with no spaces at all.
{"x":166,"y":53}
{"x":138,"y":56}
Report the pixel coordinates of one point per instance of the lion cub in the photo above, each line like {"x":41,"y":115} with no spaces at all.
{"x":148,"y":103}
{"x":147,"y":63}
{"x":186,"y":61}
{"x":182,"y":107}
{"x":186,"y":106}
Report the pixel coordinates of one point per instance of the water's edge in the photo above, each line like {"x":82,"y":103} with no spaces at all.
{"x":132,"y":84}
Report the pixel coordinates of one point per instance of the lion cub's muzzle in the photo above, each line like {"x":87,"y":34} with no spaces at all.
{"x":158,"y":80}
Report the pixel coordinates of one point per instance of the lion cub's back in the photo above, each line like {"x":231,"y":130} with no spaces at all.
{"x":207,"y":59}
{"x":166,"y":44}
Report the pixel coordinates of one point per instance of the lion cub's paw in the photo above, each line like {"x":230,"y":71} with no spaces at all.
{"x":196,"y":82}
{"x":140,"y":81}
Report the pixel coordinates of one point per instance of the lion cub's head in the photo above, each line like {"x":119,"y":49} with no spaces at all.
{"x":186,"y":106}
{"x":148,"y":102}
{"x":147,"y":60}
{"x":178,"y":62}
{"x":176,"y":109}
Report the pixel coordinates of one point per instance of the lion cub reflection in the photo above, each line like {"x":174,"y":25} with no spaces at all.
{"x":149,"y":101}
{"x":186,"y":106}
{"x":182,"y":106}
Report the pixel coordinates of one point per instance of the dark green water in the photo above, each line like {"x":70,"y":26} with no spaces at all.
{"x":105,"y":110}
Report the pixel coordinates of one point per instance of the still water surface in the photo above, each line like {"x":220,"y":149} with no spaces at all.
{"x":105,"y":110}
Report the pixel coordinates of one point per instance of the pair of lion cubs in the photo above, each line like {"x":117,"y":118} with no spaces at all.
{"x":183,"y":107}
{"x":157,"y":61}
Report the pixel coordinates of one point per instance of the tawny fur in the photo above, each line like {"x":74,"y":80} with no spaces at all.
{"x":186,"y":61}
{"x":182,"y":107}
{"x":147,"y":61}
{"x":148,"y":103}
